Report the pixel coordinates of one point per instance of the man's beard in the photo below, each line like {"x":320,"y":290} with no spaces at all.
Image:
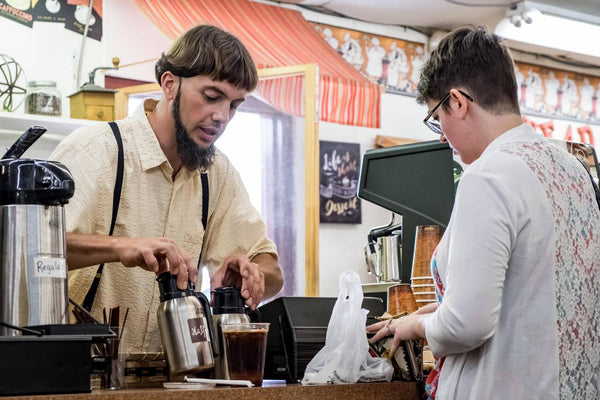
{"x":191,"y":155}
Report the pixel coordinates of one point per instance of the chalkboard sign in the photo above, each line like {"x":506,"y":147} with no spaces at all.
{"x":338,"y":182}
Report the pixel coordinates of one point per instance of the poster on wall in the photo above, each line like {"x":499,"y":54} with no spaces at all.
{"x":392,"y":63}
{"x":50,"y":11}
{"x":18,"y":11}
{"x":71,"y":13}
{"x":554,"y":92}
{"x":338,"y":182}
{"x":77,"y":16}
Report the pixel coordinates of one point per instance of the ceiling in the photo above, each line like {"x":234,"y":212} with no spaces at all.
{"x":432,"y":15}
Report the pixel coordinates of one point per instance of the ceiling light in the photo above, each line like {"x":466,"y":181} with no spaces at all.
{"x":518,"y":13}
{"x":550,"y":31}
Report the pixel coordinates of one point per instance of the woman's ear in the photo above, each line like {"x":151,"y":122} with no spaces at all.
{"x":460,"y":101}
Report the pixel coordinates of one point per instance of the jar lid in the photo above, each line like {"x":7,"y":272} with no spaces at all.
{"x":41,"y":84}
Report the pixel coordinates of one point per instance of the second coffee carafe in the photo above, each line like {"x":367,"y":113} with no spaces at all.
{"x":228,"y":308}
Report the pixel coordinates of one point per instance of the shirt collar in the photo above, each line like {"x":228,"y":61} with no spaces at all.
{"x":521,"y":133}
{"x":151,"y":154}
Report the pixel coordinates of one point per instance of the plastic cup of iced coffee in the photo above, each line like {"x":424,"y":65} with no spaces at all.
{"x":245,"y":346}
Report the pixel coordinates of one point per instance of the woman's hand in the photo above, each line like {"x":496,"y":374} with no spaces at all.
{"x":409,"y":327}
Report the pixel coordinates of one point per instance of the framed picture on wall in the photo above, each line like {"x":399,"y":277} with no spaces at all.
{"x":338,"y":182}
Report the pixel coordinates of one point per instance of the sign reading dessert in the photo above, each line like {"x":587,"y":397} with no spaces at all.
{"x":338,"y":182}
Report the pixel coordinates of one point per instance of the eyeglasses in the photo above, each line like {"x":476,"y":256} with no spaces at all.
{"x":433,"y":124}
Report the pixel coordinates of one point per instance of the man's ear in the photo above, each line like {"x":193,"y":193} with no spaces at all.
{"x":169,"y":84}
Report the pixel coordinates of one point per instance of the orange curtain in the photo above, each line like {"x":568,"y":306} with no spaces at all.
{"x":278,"y":37}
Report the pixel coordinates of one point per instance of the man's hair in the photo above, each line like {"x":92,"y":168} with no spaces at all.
{"x":471,"y":58}
{"x":210,"y":51}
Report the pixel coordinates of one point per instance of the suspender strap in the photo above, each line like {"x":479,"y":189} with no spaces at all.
{"x":91,"y":294}
{"x":205,"y":197}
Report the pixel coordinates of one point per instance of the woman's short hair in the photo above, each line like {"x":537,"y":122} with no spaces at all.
{"x":473,"y":59}
{"x":210,"y":51}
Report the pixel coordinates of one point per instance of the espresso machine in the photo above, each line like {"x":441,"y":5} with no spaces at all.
{"x":383,"y":252}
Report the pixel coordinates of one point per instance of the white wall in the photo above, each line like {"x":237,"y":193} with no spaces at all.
{"x":129,"y":35}
{"x":48,"y":51}
{"x":341,"y":245}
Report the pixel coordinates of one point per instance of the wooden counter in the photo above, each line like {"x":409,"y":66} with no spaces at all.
{"x":358,"y":391}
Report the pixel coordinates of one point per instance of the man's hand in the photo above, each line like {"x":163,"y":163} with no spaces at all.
{"x":239,"y":271}
{"x":152,"y":254}
{"x":158,"y":255}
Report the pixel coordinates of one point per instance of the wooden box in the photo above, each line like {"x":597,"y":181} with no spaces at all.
{"x":94,"y":105}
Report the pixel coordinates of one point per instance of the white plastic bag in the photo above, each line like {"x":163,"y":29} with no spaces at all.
{"x":345,"y":357}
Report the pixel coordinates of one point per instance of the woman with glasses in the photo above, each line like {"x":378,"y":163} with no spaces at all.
{"x":518,"y":266}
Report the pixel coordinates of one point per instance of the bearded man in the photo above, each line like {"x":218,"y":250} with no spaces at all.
{"x":182,"y":203}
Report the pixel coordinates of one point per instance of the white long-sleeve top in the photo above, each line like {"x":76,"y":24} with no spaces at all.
{"x":520,"y":264}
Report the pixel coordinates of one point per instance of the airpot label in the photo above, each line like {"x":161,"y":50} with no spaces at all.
{"x":197,"y":329}
{"x":49,"y":267}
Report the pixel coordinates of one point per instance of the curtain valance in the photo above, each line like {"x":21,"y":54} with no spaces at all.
{"x":278,"y":37}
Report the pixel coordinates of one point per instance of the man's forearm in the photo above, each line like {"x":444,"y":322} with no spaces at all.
{"x":86,"y":250}
{"x":269,"y":266}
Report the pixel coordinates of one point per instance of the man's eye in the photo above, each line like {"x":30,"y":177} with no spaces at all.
{"x":210,"y":99}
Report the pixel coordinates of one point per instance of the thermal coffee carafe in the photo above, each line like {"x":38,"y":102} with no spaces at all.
{"x":33,"y":268}
{"x":185,"y":326}
{"x":383,"y":252}
{"x":228,"y":308}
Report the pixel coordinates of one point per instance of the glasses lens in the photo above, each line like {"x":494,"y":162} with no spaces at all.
{"x":434,"y":126}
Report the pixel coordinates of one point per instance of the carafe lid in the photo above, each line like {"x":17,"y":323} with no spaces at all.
{"x":167,"y":286}
{"x":228,"y":300}
{"x":30,"y":181}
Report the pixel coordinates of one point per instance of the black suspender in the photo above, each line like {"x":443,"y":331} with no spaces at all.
{"x":204,"y":177}
{"x":91,"y":294}
{"x":88,"y":301}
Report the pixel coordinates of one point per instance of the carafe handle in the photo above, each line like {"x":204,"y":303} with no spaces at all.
{"x":206,"y":306}
{"x":254,"y":315}
{"x":370,"y":250}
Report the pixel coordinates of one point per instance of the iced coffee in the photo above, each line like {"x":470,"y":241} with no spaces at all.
{"x":245,"y":346}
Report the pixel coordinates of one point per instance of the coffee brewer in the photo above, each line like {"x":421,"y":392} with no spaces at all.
{"x":383,"y":252}
{"x":33,"y":268}
{"x":185,"y":326}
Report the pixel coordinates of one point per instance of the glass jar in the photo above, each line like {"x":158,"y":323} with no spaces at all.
{"x":43,"y":98}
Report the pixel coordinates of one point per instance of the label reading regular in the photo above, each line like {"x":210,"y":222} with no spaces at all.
{"x":197,"y":329}
{"x":49,"y":267}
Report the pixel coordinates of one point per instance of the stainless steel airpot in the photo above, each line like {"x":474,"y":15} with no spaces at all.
{"x":33,"y":269}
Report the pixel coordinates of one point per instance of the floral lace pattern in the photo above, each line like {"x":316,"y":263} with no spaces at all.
{"x":432,"y":382}
{"x":577,"y":264}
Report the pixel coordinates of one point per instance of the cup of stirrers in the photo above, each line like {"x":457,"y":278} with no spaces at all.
{"x":112,"y":320}
{"x":112,"y":347}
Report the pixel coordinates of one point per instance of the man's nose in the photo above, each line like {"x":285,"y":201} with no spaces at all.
{"x":221,"y":113}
